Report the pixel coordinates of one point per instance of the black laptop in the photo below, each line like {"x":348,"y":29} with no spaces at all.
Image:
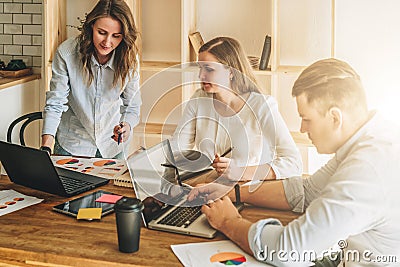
{"x":33,"y":168}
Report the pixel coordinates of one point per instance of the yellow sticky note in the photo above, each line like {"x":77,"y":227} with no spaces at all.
{"x":89,"y":213}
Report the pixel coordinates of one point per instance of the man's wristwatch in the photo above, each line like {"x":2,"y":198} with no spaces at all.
{"x":46,"y":148}
{"x":237,"y":194}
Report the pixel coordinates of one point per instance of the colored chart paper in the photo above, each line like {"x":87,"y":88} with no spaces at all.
{"x":11,"y":200}
{"x":106,"y":168}
{"x":67,"y":161}
{"x":106,"y":162}
{"x":228,"y":258}
{"x":218,"y":253}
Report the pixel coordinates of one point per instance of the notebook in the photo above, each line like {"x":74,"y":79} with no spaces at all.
{"x":163,"y":194}
{"x":33,"y":168}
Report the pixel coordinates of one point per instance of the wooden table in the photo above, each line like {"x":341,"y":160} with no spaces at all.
{"x":38,"y":236}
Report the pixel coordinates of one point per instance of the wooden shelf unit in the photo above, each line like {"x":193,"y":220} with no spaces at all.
{"x":165,"y":29}
{"x":301,"y":32}
{"x":165,"y":26}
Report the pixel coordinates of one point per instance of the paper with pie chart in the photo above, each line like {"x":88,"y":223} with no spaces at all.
{"x":228,"y":258}
{"x":217,"y":253}
{"x":107,"y":168}
{"x":11,"y":200}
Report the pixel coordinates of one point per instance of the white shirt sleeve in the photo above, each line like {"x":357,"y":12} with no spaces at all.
{"x":347,"y":201}
{"x":131,"y":100}
{"x":185,"y":132}
{"x":300,"y":192}
{"x":287,"y":161}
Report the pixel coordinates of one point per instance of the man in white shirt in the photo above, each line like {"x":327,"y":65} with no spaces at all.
{"x":351,"y":201}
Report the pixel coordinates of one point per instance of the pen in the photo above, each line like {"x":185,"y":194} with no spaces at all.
{"x":168,"y":165}
{"x":120,"y":134}
{"x":226,"y":152}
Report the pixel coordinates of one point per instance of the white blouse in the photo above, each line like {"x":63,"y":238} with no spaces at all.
{"x":257,"y":132}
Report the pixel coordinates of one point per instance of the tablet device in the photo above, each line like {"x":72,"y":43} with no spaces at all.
{"x":88,"y":201}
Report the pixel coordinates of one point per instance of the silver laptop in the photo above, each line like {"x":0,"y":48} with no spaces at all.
{"x":157,"y":184}
{"x":33,"y":168}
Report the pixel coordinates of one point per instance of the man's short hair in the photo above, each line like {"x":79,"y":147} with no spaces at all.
{"x":331,"y":83}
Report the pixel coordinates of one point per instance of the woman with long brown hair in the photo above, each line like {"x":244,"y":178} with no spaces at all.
{"x":94,"y":89}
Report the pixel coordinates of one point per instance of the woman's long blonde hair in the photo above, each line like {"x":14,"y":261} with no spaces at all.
{"x":229,"y":52}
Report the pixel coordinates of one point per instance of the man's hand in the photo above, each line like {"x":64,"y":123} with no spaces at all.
{"x":209,"y":192}
{"x":221,"y":213}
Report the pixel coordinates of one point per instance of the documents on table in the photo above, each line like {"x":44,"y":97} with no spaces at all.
{"x":11,"y":200}
{"x":106,"y":168}
{"x":217,"y":253}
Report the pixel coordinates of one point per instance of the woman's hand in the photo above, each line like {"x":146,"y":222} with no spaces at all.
{"x":122,"y":132}
{"x":227,"y":168}
{"x":47,"y":143}
{"x":221,"y":165}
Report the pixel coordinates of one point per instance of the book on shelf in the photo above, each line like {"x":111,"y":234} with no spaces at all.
{"x":196,"y":40}
{"x":266,"y":53}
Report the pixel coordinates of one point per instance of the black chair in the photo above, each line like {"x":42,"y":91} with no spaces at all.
{"x":27,"y":118}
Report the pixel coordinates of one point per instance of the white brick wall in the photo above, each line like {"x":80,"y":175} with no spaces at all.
{"x":22,"y":18}
{"x":6,"y":39}
{"x":12,"y":29}
{"x":32,"y":8}
{"x":13,"y":50}
{"x":21,"y":31}
{"x":12,"y":8}
{"x":22,"y":39}
{"x":5,"y":18}
{"x":32,"y":29}
{"x":37,"y":40}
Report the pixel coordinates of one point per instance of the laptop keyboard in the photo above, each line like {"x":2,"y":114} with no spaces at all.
{"x":71,"y":185}
{"x":182,"y":216}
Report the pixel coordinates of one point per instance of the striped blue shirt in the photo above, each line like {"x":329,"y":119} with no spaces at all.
{"x":82,"y":116}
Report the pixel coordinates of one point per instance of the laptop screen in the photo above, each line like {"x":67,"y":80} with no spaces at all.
{"x":155,"y":180}
{"x":155,"y":177}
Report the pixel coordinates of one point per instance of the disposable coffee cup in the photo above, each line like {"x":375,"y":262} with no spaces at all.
{"x":128,"y":217}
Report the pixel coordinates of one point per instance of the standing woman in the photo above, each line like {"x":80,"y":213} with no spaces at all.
{"x":94,"y":89}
